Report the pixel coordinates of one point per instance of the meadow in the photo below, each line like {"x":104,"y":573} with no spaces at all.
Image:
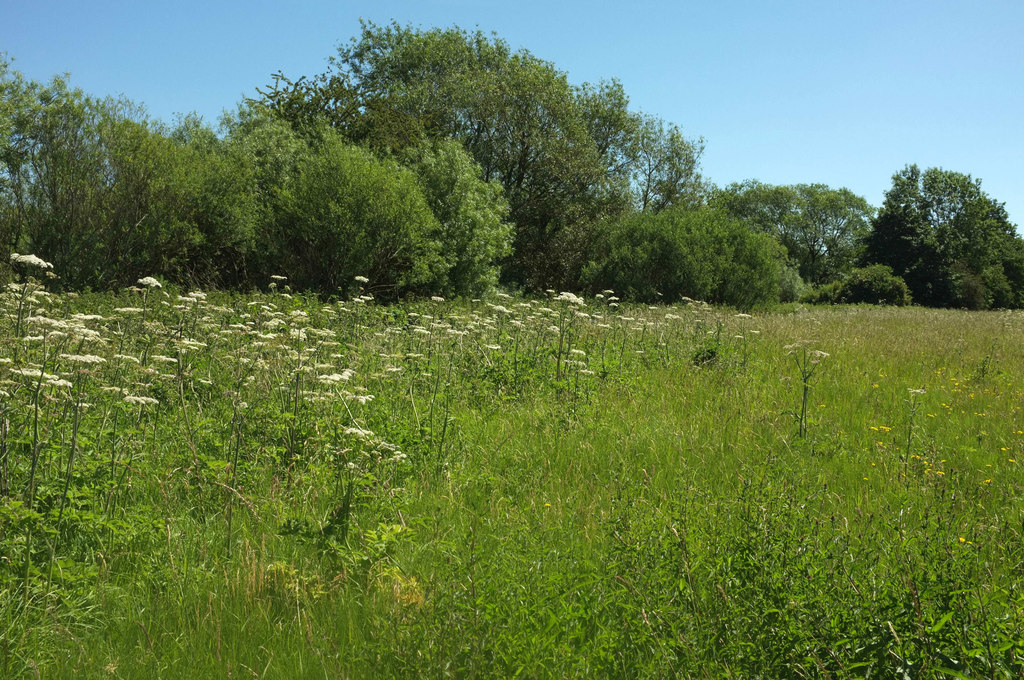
{"x":270,"y":485}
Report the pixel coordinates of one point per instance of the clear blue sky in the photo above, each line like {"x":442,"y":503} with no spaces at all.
{"x":843,"y":92}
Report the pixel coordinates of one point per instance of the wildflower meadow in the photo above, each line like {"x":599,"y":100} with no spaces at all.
{"x":275,"y":485}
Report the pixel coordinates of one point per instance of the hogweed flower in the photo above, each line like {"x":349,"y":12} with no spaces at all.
{"x":571,"y":298}
{"x":149,"y":282}
{"x":140,"y":401}
{"x":83,"y":358}
{"x":30,"y":261}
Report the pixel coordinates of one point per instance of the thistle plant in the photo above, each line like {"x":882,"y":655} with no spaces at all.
{"x":807,"y":363}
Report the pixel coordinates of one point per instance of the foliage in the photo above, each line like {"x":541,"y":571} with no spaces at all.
{"x":874,"y":284}
{"x":473,"y":237}
{"x":110,"y":197}
{"x":347,"y":214}
{"x":701,"y":254}
{"x":791,"y":285}
{"x":950,"y":241}
{"x":564,"y":155}
{"x":820,"y":227}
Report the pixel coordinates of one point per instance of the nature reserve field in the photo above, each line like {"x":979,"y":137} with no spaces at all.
{"x":218,"y":485}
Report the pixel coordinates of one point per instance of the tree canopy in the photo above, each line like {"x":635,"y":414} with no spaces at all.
{"x":442,"y":161}
{"x":820,"y":227}
{"x":952,"y":243}
{"x":563,"y":154}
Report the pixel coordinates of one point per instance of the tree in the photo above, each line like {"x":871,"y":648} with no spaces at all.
{"x":820,"y":227}
{"x":664,"y":167}
{"x":474,"y":236}
{"x":564,"y":155}
{"x":950,"y":241}
{"x":703,"y":254}
{"x":346,"y":213}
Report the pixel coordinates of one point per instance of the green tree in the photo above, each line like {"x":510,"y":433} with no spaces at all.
{"x":564,"y":155}
{"x":474,"y":236}
{"x":347,"y":213}
{"x":108,"y":196}
{"x":702,"y":254}
{"x":665,"y":166}
{"x":820,"y":227}
{"x":950,"y":241}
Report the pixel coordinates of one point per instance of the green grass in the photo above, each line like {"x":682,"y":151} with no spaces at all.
{"x":645,"y":508}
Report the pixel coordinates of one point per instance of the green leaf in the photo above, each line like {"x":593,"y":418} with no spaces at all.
{"x":941,"y":623}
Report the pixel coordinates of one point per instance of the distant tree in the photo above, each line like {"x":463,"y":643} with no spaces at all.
{"x":474,"y":236}
{"x":952,"y":243}
{"x":703,"y":254}
{"x":665,"y":167}
{"x":347,"y":213}
{"x":108,"y":196}
{"x":820,"y":227}
{"x":564,"y":155}
{"x":874,"y":284}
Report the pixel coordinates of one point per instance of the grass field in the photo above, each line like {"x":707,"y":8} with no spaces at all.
{"x":269,"y":486}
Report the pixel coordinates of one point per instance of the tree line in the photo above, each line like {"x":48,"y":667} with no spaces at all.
{"x":442,"y":161}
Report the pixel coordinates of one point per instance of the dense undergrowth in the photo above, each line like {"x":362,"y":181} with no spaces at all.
{"x":268,"y":485}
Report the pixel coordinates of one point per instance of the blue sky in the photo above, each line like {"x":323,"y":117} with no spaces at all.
{"x":843,"y":92}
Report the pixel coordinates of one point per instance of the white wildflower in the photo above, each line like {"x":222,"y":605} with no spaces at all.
{"x":164,"y":359}
{"x":335,"y":378}
{"x":83,"y":358}
{"x":140,"y":401}
{"x":149,"y":282}
{"x":33,"y":373}
{"x":571,"y":298}
{"x":30,"y":261}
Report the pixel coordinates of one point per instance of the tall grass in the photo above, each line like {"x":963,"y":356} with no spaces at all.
{"x":273,"y":486}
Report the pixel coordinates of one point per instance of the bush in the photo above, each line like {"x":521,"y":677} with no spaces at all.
{"x":875,"y":284}
{"x":474,"y":236}
{"x":700,"y":254}
{"x":791,"y":286}
{"x":349,"y":214}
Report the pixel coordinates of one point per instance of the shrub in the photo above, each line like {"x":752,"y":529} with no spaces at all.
{"x":473,"y":236}
{"x":875,"y":284}
{"x":349,"y":214}
{"x":701,"y":254}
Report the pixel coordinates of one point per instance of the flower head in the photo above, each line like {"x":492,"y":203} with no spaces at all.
{"x":30,"y":261}
{"x":140,"y":401}
{"x":83,"y":358}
